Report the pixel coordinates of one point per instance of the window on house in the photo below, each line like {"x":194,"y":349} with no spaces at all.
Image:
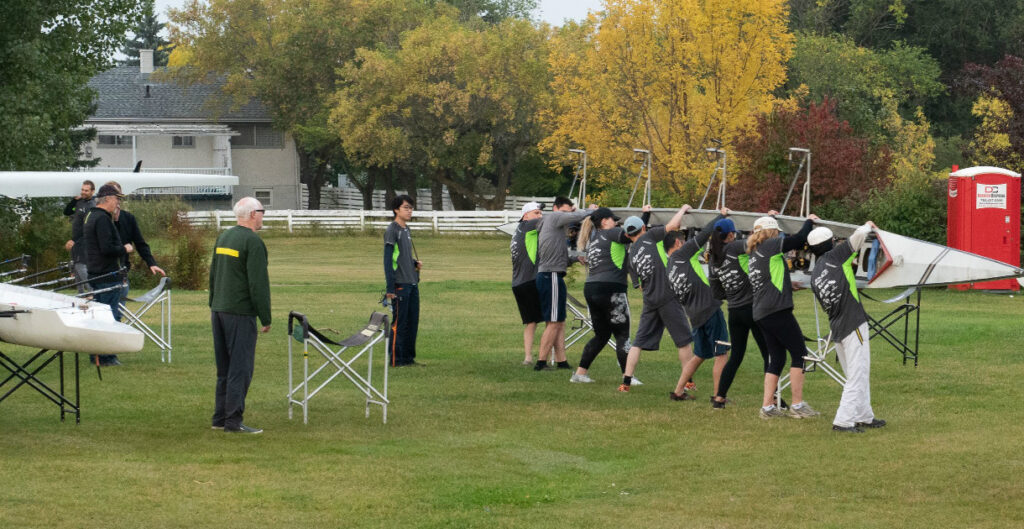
{"x":110,"y":141}
{"x":257,"y":136}
{"x":183,"y":142}
{"x":265,"y":196}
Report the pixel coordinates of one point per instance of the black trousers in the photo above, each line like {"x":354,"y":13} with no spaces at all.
{"x":741,"y":325}
{"x":234,"y":346}
{"x":782,"y":333}
{"x":405,"y":314}
{"x":609,"y":313}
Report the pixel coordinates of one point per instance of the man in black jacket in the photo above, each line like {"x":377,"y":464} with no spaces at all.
{"x":75,"y":211}
{"x":128,"y":229}
{"x":104,"y":254}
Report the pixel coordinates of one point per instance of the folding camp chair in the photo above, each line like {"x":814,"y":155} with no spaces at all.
{"x":374,"y":331}
{"x":906,"y":312}
{"x":160,"y":295}
{"x":581,"y":324}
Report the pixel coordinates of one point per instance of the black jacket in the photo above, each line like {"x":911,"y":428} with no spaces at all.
{"x":104,"y":251}
{"x":128,"y":229}
{"x":76,"y":210}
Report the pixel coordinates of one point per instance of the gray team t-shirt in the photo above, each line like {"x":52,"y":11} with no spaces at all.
{"x":552,"y":247}
{"x":607,"y":256}
{"x":834,"y":285}
{"x":689,"y":282}
{"x":647,"y":259}
{"x":769,"y":279}
{"x":733,"y":274}
{"x":401,"y":261}
{"x":524,"y":252}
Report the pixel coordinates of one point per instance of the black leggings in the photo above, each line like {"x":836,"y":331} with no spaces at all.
{"x":741,"y":323}
{"x":609,"y":313}
{"x":782,"y":333}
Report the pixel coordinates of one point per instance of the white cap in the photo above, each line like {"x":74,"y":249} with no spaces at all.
{"x":530,"y":206}
{"x":766,"y":223}
{"x":819,"y":235}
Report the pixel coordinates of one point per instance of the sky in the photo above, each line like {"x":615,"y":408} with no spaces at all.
{"x":553,"y":12}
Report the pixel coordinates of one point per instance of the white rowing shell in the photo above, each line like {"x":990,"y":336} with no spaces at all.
{"x":18,"y":184}
{"x":47,"y":320}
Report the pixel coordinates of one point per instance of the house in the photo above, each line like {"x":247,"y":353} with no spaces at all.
{"x":175,"y":128}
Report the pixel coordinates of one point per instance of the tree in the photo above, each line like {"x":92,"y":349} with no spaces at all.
{"x":859,"y":79}
{"x":457,"y":103}
{"x":845,"y":166}
{"x":49,"y":49}
{"x":147,"y":37}
{"x":667,"y":76}
{"x":998,"y":93}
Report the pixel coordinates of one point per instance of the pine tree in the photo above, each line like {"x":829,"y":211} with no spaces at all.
{"x":147,"y":37}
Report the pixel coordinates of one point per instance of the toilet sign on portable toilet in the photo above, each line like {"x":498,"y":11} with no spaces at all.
{"x":984,"y":218}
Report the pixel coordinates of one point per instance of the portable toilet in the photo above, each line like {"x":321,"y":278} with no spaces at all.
{"x":984,"y":218}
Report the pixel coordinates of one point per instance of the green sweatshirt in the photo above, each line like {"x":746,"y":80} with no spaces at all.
{"x":239,"y":283}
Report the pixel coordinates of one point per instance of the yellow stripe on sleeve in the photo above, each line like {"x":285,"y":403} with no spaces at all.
{"x":227,"y":251}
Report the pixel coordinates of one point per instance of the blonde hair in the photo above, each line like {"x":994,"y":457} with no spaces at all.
{"x":583,"y":238}
{"x":759,"y":237}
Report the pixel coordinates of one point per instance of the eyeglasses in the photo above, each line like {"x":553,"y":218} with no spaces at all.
{"x":259,"y":211}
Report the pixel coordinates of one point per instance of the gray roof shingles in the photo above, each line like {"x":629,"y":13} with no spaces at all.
{"x":122,"y":97}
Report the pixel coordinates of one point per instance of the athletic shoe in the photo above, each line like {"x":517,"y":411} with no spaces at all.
{"x":727,"y":400}
{"x":563,"y":365}
{"x":635,"y":382}
{"x":217,"y":426}
{"x":772,"y":412}
{"x":527,"y":362}
{"x":846,"y":429}
{"x":685,"y":396}
{"x":580,"y":379}
{"x":875,"y":423}
{"x":690,"y":386}
{"x":542,"y":367}
{"x":243,"y":429}
{"x":717,"y":405}
{"x":623,"y":388}
{"x":802,"y":411}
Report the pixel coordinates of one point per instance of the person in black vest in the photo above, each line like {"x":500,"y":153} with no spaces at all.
{"x":105,"y":253}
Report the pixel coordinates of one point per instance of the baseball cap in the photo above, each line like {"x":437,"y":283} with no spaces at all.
{"x":633,"y":225}
{"x":766,"y":223}
{"x":600,"y":214}
{"x":725,"y":226}
{"x":108,"y":190}
{"x":819,"y":235}
{"x":530,"y":206}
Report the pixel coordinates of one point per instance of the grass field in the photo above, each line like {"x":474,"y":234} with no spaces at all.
{"x":476,"y":440}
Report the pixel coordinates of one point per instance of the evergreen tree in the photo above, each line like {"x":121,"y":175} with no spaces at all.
{"x":147,"y":37}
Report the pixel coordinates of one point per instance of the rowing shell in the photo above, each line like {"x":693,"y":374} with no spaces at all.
{"x":18,"y":184}
{"x":47,"y":320}
{"x":885,"y":259}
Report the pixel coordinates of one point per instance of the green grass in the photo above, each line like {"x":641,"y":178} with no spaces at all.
{"x":475,"y":440}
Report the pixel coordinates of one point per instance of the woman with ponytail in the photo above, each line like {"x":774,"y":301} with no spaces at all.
{"x":605,"y":289}
{"x":773,"y":312}
{"x":728,"y":264}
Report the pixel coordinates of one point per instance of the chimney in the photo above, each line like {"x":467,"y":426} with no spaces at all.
{"x":145,"y":61}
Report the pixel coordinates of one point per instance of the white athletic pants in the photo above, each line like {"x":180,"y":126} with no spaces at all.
{"x":854,"y":353}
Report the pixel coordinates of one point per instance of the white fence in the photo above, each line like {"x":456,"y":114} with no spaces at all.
{"x":349,"y":198}
{"x":436,"y":221}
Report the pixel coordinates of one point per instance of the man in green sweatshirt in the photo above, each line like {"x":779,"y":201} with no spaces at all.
{"x":239,"y":294}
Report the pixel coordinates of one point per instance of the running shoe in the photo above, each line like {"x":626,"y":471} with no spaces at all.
{"x":717,"y":405}
{"x":875,"y":423}
{"x":773,"y":412}
{"x":690,"y":386}
{"x":802,"y":411}
{"x":846,"y":429}
{"x":685,"y":396}
{"x":635,"y":382}
{"x":577,"y":378}
{"x":623,"y":388}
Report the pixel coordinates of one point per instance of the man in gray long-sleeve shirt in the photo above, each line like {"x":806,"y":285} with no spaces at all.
{"x":552,"y":260}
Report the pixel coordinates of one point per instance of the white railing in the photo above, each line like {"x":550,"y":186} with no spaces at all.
{"x":349,"y":198}
{"x":436,"y":221}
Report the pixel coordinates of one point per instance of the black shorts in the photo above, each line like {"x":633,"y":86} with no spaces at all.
{"x":654,"y":321}
{"x":529,"y":302}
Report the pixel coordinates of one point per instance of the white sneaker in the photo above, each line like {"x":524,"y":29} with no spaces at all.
{"x":802,"y":411}
{"x":580,"y":379}
{"x":635,"y":382}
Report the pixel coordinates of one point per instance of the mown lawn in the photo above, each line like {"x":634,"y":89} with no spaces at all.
{"x":476,"y":440}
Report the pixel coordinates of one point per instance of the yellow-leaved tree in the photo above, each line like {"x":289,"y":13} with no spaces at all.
{"x":667,"y":76}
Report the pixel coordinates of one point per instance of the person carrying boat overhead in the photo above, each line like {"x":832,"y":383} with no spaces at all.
{"x":834,"y":286}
